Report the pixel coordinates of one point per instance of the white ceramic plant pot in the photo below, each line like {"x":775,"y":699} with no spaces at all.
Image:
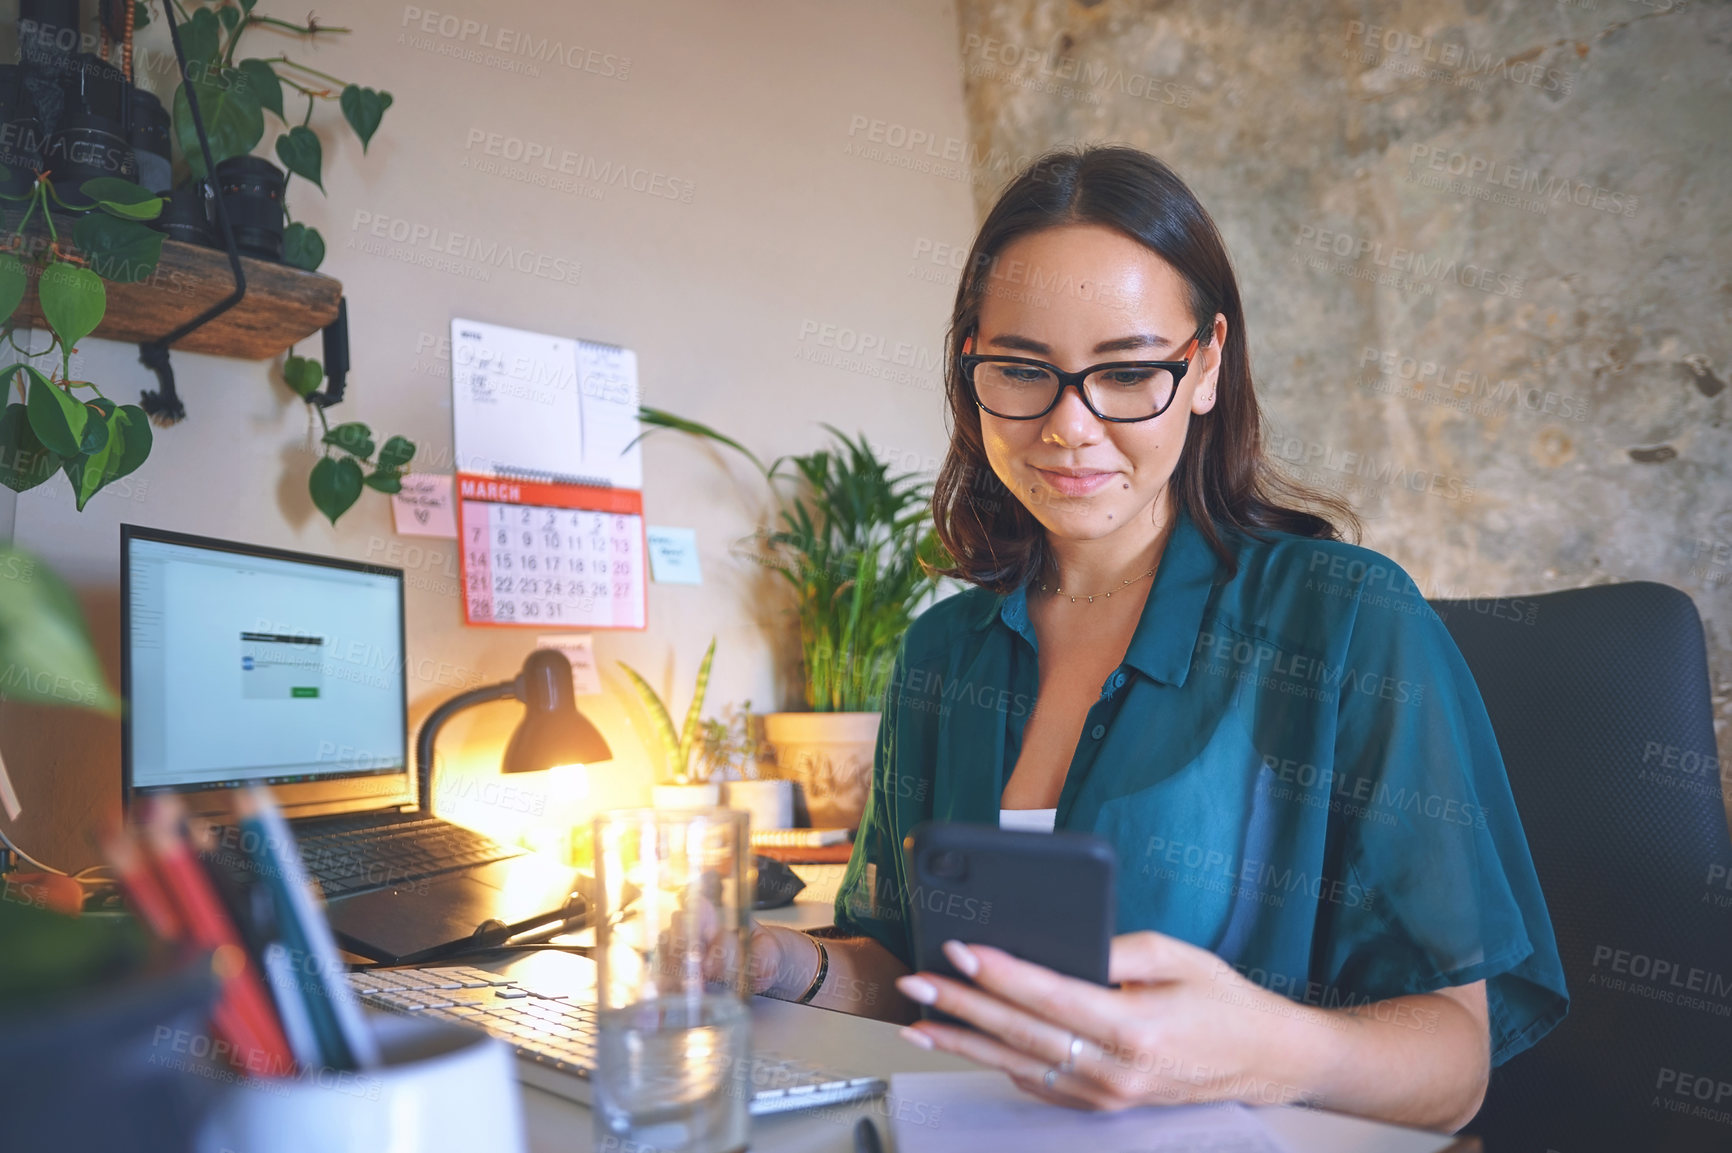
{"x":771,"y":803}
{"x":706,"y":796}
{"x":830,"y":755}
{"x":441,"y":1088}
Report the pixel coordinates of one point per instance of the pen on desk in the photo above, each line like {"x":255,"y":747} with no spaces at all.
{"x":866,"y":1137}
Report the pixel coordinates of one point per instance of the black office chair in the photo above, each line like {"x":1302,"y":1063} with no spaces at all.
{"x":1600,"y":701}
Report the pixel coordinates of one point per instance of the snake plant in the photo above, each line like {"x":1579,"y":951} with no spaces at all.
{"x":676,"y":747}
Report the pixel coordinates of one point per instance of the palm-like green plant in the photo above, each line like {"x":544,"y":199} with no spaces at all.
{"x":676,"y":747}
{"x":856,"y":542}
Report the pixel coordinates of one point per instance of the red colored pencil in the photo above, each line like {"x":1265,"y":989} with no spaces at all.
{"x":143,"y":891}
{"x":244,"y":1015}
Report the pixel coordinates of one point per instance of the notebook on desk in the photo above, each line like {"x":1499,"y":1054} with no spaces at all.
{"x":244,"y":664}
{"x":985,"y":1113}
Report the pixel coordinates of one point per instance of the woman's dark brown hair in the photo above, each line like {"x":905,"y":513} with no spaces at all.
{"x":1223,"y":479}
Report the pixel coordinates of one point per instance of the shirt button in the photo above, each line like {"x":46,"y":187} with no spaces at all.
{"x":1098,"y":732}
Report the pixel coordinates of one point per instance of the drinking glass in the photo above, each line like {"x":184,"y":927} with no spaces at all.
{"x":674,"y":1033}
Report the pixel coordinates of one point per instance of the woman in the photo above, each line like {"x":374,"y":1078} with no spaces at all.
{"x":1325,"y":892}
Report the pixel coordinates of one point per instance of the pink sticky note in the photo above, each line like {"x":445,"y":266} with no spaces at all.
{"x":424,"y":507}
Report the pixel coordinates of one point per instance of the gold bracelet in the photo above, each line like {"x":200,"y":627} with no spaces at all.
{"x":823,"y":971}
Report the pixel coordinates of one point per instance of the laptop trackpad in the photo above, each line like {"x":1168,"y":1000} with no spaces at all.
{"x":391,"y":924}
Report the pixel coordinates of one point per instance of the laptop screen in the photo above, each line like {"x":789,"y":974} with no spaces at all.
{"x":246,"y":664}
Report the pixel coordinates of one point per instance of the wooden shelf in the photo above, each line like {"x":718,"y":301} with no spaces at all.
{"x":282,"y":305}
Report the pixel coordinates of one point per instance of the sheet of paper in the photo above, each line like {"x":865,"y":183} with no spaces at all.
{"x":424,"y":506}
{"x":673,"y":554}
{"x":985,"y":1113}
{"x":531,"y":406}
{"x":579,"y":649}
{"x":607,"y":379}
{"x":515,"y":408}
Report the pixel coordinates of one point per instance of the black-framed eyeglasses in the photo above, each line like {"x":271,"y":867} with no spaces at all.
{"x":1122,"y":391}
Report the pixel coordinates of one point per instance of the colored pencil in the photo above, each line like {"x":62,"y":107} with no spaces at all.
{"x":243,"y":1014}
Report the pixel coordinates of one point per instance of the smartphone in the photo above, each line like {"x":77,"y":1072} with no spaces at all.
{"x":1047,"y":898}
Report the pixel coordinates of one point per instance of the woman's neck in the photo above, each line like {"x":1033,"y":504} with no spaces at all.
{"x":1104,"y":564}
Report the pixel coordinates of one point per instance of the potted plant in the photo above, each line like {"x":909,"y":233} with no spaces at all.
{"x":732,"y":754}
{"x":59,"y":424}
{"x":684,"y":781}
{"x":857,"y":545}
{"x":60,"y":245}
{"x":234,"y":94}
{"x":712,"y":761}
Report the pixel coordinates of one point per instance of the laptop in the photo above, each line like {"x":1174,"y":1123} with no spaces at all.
{"x":243,"y":664}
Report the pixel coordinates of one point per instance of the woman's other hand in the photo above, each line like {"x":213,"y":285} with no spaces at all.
{"x":696,"y":935}
{"x":764,"y":959}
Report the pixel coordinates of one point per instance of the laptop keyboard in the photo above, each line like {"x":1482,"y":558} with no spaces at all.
{"x":352,"y":860}
{"x":554,"y":1037}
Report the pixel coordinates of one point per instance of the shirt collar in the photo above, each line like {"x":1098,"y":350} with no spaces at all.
{"x":1166,"y":635}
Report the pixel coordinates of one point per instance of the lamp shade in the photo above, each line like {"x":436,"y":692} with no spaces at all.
{"x":552,"y":731}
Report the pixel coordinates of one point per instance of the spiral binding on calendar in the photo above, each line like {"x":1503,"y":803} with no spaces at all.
{"x":552,"y":477}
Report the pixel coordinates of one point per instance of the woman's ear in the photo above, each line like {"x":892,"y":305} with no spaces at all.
{"x":1209,"y":360}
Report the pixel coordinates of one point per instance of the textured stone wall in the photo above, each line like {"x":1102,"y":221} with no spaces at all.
{"x":1485,"y":248}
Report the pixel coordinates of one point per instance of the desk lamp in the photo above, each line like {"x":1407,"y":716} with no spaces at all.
{"x":551,"y":733}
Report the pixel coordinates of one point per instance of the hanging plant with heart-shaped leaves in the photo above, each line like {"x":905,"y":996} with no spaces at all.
{"x":58,"y":423}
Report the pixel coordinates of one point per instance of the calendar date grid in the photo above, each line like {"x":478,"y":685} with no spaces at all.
{"x":539,"y":565}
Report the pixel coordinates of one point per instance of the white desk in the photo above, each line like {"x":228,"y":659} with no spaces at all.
{"x":861,"y":1046}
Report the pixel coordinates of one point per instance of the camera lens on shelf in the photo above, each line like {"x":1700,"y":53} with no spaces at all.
{"x":252,"y":192}
{"x":186,"y":215}
{"x":99,"y":88}
{"x":85,"y":148}
{"x":91,"y":140}
{"x":150,"y":141}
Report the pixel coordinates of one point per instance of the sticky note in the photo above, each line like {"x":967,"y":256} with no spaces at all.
{"x":673,"y":554}
{"x":579,"y":649}
{"x":423,"y":507}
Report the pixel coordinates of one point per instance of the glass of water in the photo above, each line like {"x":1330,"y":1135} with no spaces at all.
{"x":671,"y":949}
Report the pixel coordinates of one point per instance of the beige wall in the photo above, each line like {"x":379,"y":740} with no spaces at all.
{"x":726,"y":300}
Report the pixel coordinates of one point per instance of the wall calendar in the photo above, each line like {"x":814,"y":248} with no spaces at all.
{"x":551,"y":555}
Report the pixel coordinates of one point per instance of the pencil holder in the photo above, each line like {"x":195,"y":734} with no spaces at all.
{"x":440,"y":1088}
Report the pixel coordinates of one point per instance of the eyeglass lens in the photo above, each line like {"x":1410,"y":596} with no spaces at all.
{"x":1013,"y":390}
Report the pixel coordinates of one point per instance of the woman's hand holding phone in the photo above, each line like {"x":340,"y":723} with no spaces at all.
{"x":1183,"y":1026}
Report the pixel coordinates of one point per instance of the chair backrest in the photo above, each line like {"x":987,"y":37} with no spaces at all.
{"x":1600,"y":700}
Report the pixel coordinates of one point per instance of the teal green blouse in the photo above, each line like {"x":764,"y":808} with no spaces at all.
{"x":1292,"y":762}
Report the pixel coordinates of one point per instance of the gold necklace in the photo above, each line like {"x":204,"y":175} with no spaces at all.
{"x":1091,"y":599}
